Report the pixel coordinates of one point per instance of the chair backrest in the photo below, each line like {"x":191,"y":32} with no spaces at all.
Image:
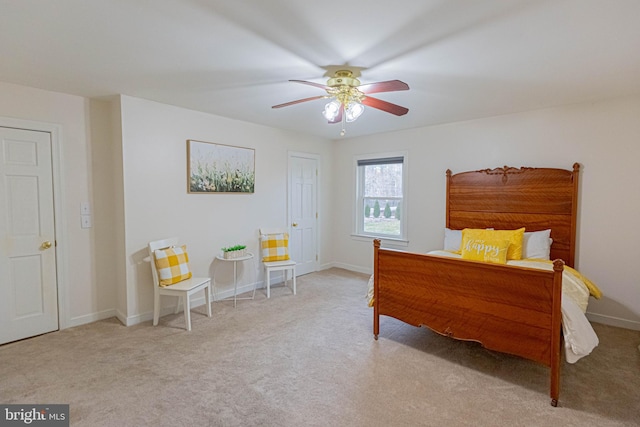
{"x":272,"y":231}
{"x":159,"y":244}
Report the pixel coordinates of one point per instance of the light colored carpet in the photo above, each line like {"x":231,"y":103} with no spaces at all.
{"x":310,"y":360}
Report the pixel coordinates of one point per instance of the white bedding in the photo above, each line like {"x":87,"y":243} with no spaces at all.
{"x":579,"y":337}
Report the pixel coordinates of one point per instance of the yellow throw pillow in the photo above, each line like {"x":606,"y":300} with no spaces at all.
{"x":515,"y":237}
{"x":172,"y":265}
{"x":275,"y":247}
{"x":485,"y":250}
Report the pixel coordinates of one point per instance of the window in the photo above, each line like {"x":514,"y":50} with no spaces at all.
{"x":381,"y":201}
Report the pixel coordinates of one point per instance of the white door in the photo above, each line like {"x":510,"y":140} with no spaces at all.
{"x":303,"y":177}
{"x":28,"y":287}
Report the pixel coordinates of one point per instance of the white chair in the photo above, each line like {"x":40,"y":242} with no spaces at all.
{"x":284,"y":265}
{"x":183,"y":289}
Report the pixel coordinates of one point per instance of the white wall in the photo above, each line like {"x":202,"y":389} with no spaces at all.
{"x":83,"y":300}
{"x":127,"y":157}
{"x":127,"y":183}
{"x":107,"y":190}
{"x":602,"y":136}
{"x":157,"y":205}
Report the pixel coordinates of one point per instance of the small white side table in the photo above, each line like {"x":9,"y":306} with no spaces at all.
{"x":235,"y":261}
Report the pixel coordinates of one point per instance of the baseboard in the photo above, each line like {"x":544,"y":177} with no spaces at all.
{"x":228,"y":293}
{"x":195,"y":302}
{"x":145,"y":317}
{"x":89,"y":318}
{"x":121,"y":317}
{"x":614,"y":321}
{"x":326,"y":266}
{"x":354,"y":268}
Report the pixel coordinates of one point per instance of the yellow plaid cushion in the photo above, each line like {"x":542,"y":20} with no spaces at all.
{"x":172,"y":265}
{"x":275,"y":247}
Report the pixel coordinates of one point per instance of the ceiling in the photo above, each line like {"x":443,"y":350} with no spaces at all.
{"x":462,"y":59}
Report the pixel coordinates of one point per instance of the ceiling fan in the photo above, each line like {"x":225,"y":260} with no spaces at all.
{"x":348,"y":97}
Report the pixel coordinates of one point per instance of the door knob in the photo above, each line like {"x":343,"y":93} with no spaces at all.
{"x":295,"y":224}
{"x":45,"y":245}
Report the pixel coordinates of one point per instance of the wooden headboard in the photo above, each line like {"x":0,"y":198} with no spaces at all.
{"x":509,"y":198}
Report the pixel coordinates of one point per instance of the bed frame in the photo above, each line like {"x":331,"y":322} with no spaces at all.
{"x":509,"y":309}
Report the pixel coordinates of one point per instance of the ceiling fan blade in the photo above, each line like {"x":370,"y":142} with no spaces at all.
{"x":388,"y":86}
{"x":304,"y":82}
{"x":384,"y":106}
{"x":286,"y":104}
{"x":338,"y":118}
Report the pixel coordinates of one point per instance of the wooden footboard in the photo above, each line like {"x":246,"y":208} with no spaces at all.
{"x":509,"y":309}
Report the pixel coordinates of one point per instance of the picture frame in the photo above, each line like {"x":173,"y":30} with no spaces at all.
{"x":219,"y":168}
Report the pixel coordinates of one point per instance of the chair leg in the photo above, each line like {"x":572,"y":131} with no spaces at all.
{"x":187,"y":312}
{"x":268,"y":283}
{"x":156,"y":308}
{"x":293,"y":273}
{"x":178,"y":306}
{"x":207,"y":298}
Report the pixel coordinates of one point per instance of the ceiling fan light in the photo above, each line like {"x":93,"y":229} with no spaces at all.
{"x":353,"y":111}
{"x":331,"y":110}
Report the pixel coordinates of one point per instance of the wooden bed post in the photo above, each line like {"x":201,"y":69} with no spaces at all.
{"x":556,"y":331}
{"x":447,"y":198}
{"x":574,"y":213}
{"x":376,"y":312}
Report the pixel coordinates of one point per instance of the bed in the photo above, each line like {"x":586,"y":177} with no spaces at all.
{"x":508,"y":308}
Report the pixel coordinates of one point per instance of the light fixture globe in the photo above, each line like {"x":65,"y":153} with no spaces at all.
{"x":352,"y":111}
{"x":331,"y":110}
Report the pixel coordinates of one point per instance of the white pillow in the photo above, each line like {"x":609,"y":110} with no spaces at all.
{"x":452,"y":240}
{"x":536,"y":244}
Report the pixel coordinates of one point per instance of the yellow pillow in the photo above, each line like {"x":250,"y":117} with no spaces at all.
{"x":172,"y":265}
{"x":515,"y":237}
{"x":485,"y":250}
{"x":275,"y":247}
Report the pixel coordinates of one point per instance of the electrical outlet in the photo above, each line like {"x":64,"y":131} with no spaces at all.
{"x":85,"y":221}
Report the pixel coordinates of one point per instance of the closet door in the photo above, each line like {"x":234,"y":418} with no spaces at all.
{"x":28,"y":285}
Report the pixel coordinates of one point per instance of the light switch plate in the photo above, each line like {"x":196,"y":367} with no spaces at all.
{"x":85,"y":208}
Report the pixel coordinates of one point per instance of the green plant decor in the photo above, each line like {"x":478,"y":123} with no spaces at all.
{"x":234,"y":248}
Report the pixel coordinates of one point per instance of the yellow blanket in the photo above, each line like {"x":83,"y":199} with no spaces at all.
{"x":593,"y":289}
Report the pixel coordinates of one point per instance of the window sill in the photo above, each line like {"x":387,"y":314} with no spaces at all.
{"x":386,"y":241}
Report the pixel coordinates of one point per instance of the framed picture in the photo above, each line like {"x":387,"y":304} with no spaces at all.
{"x":217,"y":168}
